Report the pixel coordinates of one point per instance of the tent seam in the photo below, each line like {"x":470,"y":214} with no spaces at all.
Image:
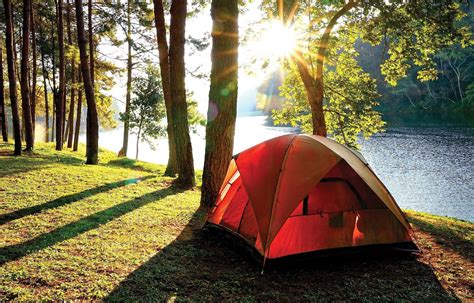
{"x":275,"y":195}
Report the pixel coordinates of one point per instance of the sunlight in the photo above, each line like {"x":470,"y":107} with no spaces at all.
{"x":276,"y":41}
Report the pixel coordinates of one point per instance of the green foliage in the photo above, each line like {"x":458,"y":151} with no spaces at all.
{"x":195,"y":118}
{"x":349,"y":104}
{"x":448,"y":94}
{"x":411,"y":32}
{"x":147,"y":108}
{"x":470,"y":95}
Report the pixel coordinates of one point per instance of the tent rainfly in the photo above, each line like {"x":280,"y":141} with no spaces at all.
{"x":297,"y":194}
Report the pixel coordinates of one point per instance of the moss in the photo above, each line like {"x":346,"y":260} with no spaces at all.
{"x":119,"y":231}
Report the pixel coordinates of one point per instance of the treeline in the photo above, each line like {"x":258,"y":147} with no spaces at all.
{"x":451,"y":92}
{"x":327,"y":88}
{"x":50,"y":81}
{"x":60,"y":72}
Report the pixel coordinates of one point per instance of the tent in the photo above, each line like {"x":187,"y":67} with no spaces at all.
{"x":297,"y":194}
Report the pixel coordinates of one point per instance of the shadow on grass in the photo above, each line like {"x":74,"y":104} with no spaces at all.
{"x":33,"y":161}
{"x":450,"y":238}
{"x":5,"y":218}
{"x":135,"y":165}
{"x":13,"y":166}
{"x":14,"y":252}
{"x":200,"y":266}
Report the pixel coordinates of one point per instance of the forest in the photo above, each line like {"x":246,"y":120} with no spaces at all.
{"x":174,"y":76}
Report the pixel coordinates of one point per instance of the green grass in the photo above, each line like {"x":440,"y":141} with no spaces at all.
{"x":119,"y":231}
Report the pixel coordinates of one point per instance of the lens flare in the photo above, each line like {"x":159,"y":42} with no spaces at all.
{"x":276,"y":40}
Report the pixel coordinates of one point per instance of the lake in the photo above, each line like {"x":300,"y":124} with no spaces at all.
{"x":427,"y":169}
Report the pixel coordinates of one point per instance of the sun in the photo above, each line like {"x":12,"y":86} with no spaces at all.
{"x":276,"y":40}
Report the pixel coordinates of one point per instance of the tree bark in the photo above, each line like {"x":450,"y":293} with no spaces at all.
{"x":184,"y":154}
{"x":25,"y":90}
{"x":126,"y":123}
{"x":78,"y":117}
{"x":54,"y":87}
{"x":12,"y":76}
{"x":222,"y":110}
{"x":315,"y":86}
{"x":138,"y":138}
{"x":72,"y":89}
{"x":91,"y":41}
{"x":3,"y":114}
{"x":92,"y":133}
{"x":60,"y":110}
{"x":34,"y":68}
{"x":53,"y":119}
{"x":171,"y":168}
{"x":46,"y":102}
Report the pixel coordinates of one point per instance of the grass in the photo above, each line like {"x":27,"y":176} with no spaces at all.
{"x":120,"y":232}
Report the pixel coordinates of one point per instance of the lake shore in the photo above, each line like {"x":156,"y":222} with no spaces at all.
{"x":119,"y":231}
{"x":436,"y":164}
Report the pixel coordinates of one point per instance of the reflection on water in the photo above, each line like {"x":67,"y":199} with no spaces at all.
{"x":426,"y":169}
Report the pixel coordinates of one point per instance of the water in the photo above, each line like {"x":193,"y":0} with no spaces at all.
{"x":427,"y":169}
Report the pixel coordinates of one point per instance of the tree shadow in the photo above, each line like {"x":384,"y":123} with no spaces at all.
{"x":135,"y":165}
{"x":5,"y":218}
{"x":34,"y":161}
{"x":14,"y":252}
{"x":448,"y":237}
{"x":200,"y":266}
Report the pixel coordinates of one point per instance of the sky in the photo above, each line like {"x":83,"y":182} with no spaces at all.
{"x":252,"y":34}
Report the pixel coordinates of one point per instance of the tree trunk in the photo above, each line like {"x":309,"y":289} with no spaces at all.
{"x":184,"y":153}
{"x":46,"y":102}
{"x":171,"y":168}
{"x":138,"y":138}
{"x":54,"y":88}
{"x":70,"y":120}
{"x":60,"y":110}
{"x":78,"y":120}
{"x":12,"y":76}
{"x":91,"y":42}
{"x":3,"y":114}
{"x":92,"y":140}
{"x":25,"y":90}
{"x":314,"y":93}
{"x":222,"y":110}
{"x":34,"y":71}
{"x":53,"y":119}
{"x":126,"y":123}
{"x":315,"y":86}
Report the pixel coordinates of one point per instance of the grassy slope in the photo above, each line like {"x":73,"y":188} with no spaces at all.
{"x":118,"y":231}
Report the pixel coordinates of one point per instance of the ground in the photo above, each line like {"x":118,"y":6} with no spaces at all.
{"x":119,"y":231}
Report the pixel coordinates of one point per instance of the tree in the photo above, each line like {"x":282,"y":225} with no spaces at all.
{"x":222,"y":110}
{"x":61,"y":95}
{"x":134,"y":19}
{"x":78,"y":117}
{"x":173,"y":71}
{"x":126,"y":122}
{"x":172,"y":166}
{"x":92,"y":140}
{"x":412,"y":31}
{"x":3,"y":114}
{"x":12,"y":76}
{"x":184,"y":153}
{"x":34,"y":68}
{"x":91,"y":41}
{"x":72,"y":89}
{"x":147,"y":109}
{"x":25,"y":87}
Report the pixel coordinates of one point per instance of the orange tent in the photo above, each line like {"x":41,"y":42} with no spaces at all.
{"x":299,"y":193}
